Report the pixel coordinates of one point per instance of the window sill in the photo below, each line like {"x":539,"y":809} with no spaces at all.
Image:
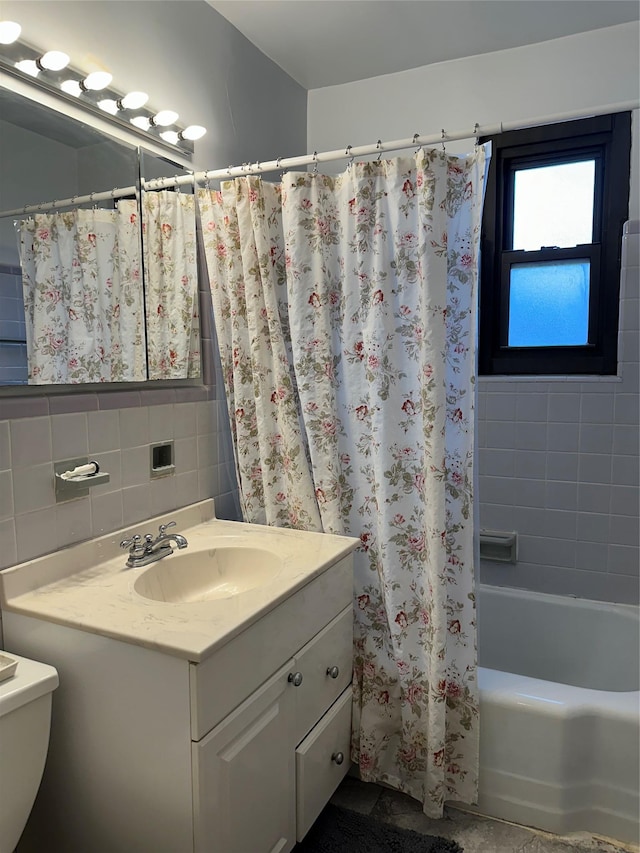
{"x":482,"y":380}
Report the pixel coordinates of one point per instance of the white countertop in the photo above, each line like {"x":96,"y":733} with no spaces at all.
{"x":87,"y":586}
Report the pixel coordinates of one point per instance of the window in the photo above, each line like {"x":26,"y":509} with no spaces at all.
{"x":556,"y":201}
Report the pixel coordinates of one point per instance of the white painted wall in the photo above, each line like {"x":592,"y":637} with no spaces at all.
{"x":586,"y":70}
{"x":558,"y":459}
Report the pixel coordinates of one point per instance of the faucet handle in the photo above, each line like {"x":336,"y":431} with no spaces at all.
{"x":131,"y":543}
{"x":164,"y":527}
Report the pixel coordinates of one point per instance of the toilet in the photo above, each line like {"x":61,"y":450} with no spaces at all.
{"x":25,"y":723}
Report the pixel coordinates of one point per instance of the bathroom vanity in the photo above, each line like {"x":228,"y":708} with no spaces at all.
{"x":189,"y":719}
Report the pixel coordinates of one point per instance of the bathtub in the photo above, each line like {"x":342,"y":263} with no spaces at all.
{"x":559,"y":712}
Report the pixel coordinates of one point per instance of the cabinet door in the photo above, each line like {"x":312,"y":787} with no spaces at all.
{"x":244,"y":775}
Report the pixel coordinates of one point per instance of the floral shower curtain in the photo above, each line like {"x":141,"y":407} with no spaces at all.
{"x":360,"y":290}
{"x":171,"y":284}
{"x":82,"y":286}
{"x":245,"y":254}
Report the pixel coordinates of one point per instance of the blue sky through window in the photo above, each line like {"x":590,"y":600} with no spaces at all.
{"x":549,"y":304}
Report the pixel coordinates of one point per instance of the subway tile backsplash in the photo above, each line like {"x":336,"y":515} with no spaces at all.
{"x":559,"y":463}
{"x":31,"y":523}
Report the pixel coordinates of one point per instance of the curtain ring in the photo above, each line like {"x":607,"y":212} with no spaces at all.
{"x":229,"y":171}
{"x":350,"y":155}
{"x":443,"y":137}
{"x":476,"y":133}
{"x":416,"y":136}
{"x":315,"y":163}
{"x":379,"y":147}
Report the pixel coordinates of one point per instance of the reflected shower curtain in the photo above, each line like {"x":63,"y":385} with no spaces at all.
{"x":345,"y":309}
{"x":82,"y":287}
{"x":171,"y":284}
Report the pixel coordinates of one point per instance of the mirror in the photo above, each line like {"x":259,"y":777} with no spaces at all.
{"x":72,"y":302}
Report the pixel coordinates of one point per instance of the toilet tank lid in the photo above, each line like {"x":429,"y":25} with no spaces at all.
{"x":31,"y":680}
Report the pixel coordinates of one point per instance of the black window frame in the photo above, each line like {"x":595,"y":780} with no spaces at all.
{"x":607,"y":139}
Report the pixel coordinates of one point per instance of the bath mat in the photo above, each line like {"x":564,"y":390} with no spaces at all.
{"x":339,"y":830}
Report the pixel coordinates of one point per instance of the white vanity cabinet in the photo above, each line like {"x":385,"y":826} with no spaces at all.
{"x":264,"y":773}
{"x":236,"y":753}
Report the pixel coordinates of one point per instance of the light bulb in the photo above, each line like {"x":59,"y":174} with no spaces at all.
{"x":54,"y":60}
{"x":134,"y":100}
{"x":71,"y":87}
{"x":193,"y":132}
{"x":109,"y":106}
{"x":142,"y":122}
{"x":97,"y":80}
{"x":28,"y":66}
{"x":165,"y":117}
{"x":170,"y":136}
{"x":9,"y":32}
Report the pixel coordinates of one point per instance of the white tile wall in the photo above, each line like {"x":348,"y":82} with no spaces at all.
{"x":559,"y":463}
{"x":31,"y":523}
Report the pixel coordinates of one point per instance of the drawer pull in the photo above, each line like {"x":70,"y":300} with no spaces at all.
{"x":295,"y":678}
{"x":333,"y":671}
{"x":337,"y":757}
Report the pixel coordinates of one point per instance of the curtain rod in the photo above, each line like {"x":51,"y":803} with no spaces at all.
{"x":327,"y":156}
{"x":56,"y":204}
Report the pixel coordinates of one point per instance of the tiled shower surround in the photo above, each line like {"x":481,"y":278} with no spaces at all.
{"x":558,"y":463}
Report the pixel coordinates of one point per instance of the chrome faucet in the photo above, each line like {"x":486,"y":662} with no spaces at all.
{"x":148,"y":550}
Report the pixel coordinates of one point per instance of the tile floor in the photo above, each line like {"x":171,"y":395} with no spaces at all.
{"x":474,"y":833}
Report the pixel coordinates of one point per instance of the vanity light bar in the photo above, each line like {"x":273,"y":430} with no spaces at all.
{"x":16,"y":55}
{"x":9,"y":32}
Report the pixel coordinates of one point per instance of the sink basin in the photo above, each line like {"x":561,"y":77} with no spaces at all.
{"x":207,"y":575}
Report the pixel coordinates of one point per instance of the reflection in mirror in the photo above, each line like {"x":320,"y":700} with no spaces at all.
{"x":171,"y":273}
{"x":82,"y":294}
{"x":71,"y":303}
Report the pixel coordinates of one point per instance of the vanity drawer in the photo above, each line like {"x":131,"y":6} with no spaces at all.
{"x":328,"y":652}
{"x":225,"y":679}
{"x":317,"y":773}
